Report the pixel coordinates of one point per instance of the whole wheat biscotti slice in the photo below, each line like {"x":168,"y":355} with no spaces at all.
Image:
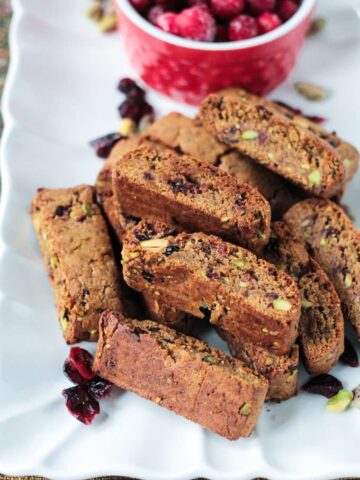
{"x":335,"y":244}
{"x":180,"y":373}
{"x":281,"y":371}
{"x":188,"y":136}
{"x":197,"y":273}
{"x":192,"y":194}
{"x":348,"y":153}
{"x":321,"y":327}
{"x":78,"y":256}
{"x":272,"y":140}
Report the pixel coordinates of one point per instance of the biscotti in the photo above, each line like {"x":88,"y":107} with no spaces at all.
{"x":281,"y":371}
{"x":347,"y":152}
{"x":335,"y":244}
{"x":272,"y":140}
{"x":188,"y":136}
{"x":78,"y":255}
{"x":321,"y":327}
{"x":201,"y":274}
{"x":193,"y":195}
{"x":180,"y":373}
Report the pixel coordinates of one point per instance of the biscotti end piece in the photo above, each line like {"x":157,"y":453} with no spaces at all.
{"x":201,"y":274}
{"x":281,"y":371}
{"x":180,"y":373}
{"x":78,"y":256}
{"x":272,"y":140}
{"x":192,"y":194}
{"x":348,"y":154}
{"x":335,"y":244}
{"x":321,"y":327}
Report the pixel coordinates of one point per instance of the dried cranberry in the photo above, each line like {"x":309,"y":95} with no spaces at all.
{"x":149,"y":277}
{"x":81,"y":404}
{"x":243,"y":27}
{"x":171,"y":249}
{"x":61,"y":211}
{"x":168,"y":22}
{"x":141,"y":5}
{"x":350,"y":356}
{"x":227,"y":8}
{"x":126,"y":85}
{"x":196,"y":23}
{"x":323,"y":384}
{"x":103,"y":145}
{"x":315,"y":118}
{"x":286,"y":9}
{"x":78,"y":366}
{"x":98,"y":388}
{"x":297,"y":111}
{"x":268,"y":21}
{"x":130,"y":109}
{"x":154,"y":13}
{"x":260,"y":6}
{"x":130,"y":88}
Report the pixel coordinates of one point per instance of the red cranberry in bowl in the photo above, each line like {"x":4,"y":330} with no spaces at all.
{"x":260,"y":6}
{"x":268,"y":21}
{"x":221,"y":33}
{"x":286,"y":9}
{"x":196,"y":23}
{"x":167,"y":22}
{"x":227,"y":8}
{"x":243,"y":27}
{"x":154,"y":13}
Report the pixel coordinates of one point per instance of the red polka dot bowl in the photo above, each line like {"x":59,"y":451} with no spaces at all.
{"x":187,"y":70}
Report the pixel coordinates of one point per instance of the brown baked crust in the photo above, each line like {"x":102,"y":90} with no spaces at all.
{"x":197,"y":273}
{"x":321,"y":327}
{"x":192,"y":194}
{"x":79,"y":259}
{"x":348,"y":153}
{"x":272,"y":140}
{"x":335,"y":244}
{"x":188,"y":136}
{"x":180,"y":373}
{"x":281,"y":371}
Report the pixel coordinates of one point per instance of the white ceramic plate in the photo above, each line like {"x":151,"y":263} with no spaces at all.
{"x":60,"y":94}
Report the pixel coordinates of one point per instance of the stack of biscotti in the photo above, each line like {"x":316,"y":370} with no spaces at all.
{"x":192,"y":204}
